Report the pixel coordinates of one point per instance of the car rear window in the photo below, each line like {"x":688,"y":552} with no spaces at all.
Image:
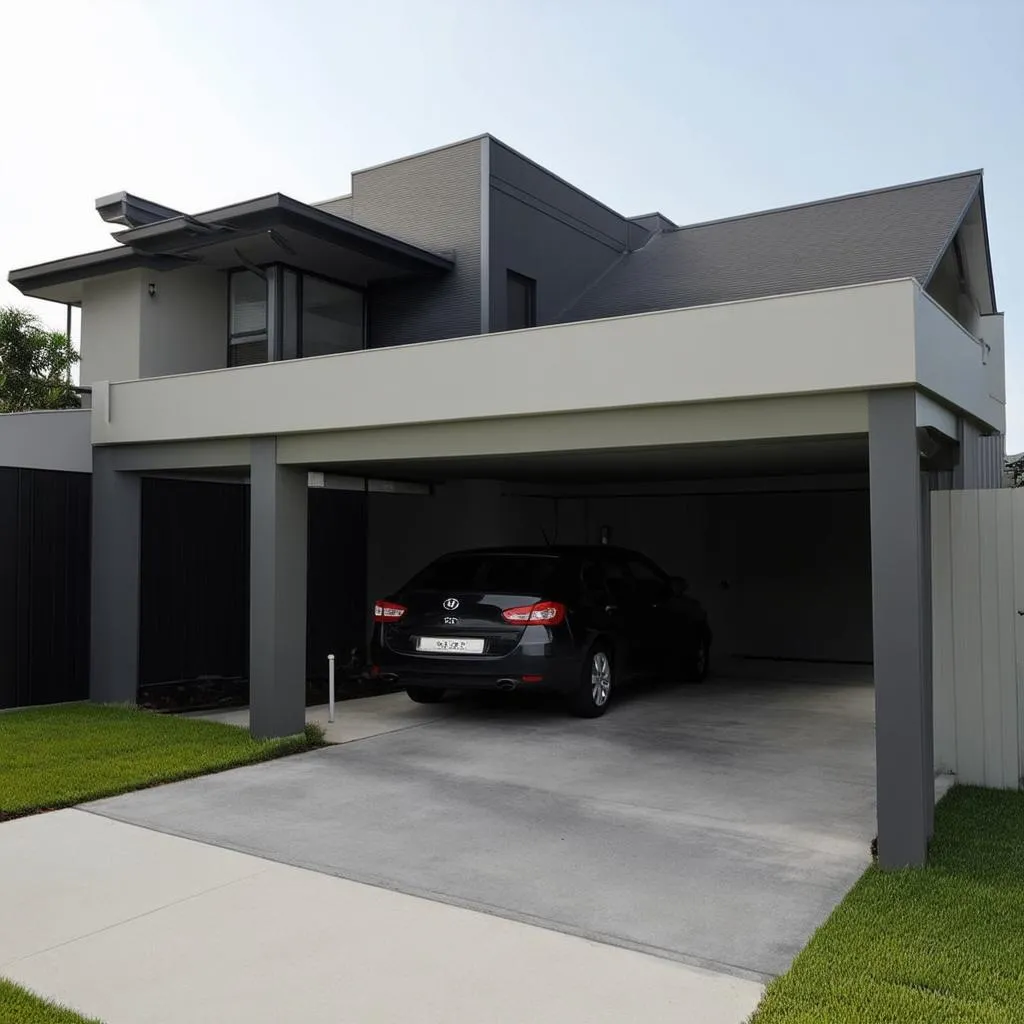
{"x":513,"y":574}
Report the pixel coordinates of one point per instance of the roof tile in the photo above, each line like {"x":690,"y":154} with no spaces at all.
{"x":872,"y":236}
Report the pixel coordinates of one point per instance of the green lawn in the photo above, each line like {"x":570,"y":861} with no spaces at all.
{"x":16,"y":1004}
{"x":943,"y":945}
{"x":58,"y":756}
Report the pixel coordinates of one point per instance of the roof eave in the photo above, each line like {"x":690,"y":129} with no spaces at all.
{"x":988,"y":248}
{"x":977,"y":194}
{"x":185,"y":233}
{"x":31,"y":281}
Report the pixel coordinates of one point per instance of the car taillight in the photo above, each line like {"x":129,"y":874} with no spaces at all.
{"x":546,"y":613}
{"x":388,"y":611}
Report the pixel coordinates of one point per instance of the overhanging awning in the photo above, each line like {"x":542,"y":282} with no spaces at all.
{"x":271,"y":229}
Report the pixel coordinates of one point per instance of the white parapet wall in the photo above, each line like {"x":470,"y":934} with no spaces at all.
{"x":844,"y":339}
{"x":978,"y":634}
{"x":57,"y":440}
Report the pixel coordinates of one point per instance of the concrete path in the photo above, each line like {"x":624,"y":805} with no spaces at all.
{"x":355,"y":719}
{"x":136,"y":927}
{"x":717,"y":825}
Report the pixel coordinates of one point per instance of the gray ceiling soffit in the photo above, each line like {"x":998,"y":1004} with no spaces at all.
{"x":186,"y":234}
{"x":89,"y":264}
{"x":131,"y":211}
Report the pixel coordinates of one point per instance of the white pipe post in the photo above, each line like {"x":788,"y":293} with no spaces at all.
{"x":330,"y":687}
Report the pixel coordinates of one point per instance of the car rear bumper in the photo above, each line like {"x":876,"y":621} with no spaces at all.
{"x":529,"y":667}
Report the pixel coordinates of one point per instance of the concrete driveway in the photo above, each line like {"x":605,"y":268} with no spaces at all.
{"x":717,"y":825}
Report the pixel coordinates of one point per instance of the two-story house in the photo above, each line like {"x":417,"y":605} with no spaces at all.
{"x":294,"y":406}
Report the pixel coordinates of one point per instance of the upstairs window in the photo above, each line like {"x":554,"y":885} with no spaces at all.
{"x":247,"y":320}
{"x":315,"y":317}
{"x":521,"y":297}
{"x":332,"y":317}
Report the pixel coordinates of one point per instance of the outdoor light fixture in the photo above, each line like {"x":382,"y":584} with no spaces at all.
{"x":152,"y":290}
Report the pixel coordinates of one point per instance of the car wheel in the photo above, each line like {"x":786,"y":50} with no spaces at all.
{"x":595,"y":689}
{"x":425,"y":694}
{"x":698,"y":662}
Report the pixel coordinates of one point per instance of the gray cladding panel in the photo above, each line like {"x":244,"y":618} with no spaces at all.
{"x":546,"y":230}
{"x":340,"y":207}
{"x":432,"y":200}
{"x":899,"y":232}
{"x":563,"y":261}
{"x":982,"y":459}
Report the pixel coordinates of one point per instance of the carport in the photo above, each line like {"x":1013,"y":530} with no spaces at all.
{"x":716,"y":824}
{"x":762,"y":421}
{"x":771,"y":532}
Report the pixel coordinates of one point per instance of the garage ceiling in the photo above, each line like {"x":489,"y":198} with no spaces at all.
{"x":677,"y":462}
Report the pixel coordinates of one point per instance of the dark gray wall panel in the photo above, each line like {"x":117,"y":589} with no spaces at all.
{"x":432,"y":200}
{"x":114,"y":599}
{"x":563,"y":200}
{"x":546,"y":229}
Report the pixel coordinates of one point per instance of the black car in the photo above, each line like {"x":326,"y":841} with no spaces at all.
{"x":575,"y":620}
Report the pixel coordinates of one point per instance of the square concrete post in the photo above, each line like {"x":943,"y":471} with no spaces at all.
{"x":114,"y":613}
{"x":901,"y":610}
{"x":277,"y":594}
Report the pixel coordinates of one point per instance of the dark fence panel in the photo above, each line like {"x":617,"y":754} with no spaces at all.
{"x":336,"y":608}
{"x":194,"y":606}
{"x":44,"y":586}
{"x":194,"y":600}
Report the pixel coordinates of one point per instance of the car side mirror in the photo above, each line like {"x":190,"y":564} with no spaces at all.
{"x":679,"y":586}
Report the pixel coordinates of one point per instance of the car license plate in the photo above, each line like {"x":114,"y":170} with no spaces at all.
{"x":449,"y":645}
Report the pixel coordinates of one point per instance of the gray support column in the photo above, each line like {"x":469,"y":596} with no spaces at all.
{"x":903,"y":728}
{"x":114,"y":616}
{"x":277,"y":594}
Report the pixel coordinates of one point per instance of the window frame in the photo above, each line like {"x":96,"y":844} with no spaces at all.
{"x":246,"y":337}
{"x":274,"y":276}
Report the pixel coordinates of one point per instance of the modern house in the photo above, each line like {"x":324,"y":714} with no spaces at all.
{"x":294,"y":406}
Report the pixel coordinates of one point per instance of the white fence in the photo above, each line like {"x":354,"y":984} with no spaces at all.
{"x":977,"y":559}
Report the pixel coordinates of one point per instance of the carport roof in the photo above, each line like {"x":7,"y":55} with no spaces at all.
{"x":880,"y":235}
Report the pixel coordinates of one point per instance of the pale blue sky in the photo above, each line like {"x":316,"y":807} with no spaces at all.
{"x":699,"y":110}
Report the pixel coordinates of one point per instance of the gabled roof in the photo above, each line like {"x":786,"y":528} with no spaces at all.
{"x":870,"y":236}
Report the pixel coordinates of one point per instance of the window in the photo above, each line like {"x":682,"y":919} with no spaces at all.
{"x":594,"y":585}
{"x":314,"y":317}
{"x":497,"y":573}
{"x":247,"y":323}
{"x":521,"y":296}
{"x":332,"y":317}
{"x":619,"y":584}
{"x":651,"y":583}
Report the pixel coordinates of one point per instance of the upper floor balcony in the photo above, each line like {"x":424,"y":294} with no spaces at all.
{"x":843,"y":340}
